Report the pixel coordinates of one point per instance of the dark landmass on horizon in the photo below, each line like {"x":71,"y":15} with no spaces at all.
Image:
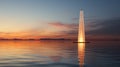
{"x":105,"y":39}
{"x":38,"y":39}
{"x":53,"y":39}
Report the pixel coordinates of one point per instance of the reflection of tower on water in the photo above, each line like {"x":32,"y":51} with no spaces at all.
{"x":81,"y":53}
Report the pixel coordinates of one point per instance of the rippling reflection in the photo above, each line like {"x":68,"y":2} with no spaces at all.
{"x":38,"y":54}
{"x":81,"y":53}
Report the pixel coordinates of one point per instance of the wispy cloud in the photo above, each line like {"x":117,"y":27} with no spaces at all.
{"x":63,"y":25}
{"x":107,"y":27}
{"x":99,"y":29}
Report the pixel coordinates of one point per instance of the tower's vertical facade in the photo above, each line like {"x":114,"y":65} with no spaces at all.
{"x":81,"y":30}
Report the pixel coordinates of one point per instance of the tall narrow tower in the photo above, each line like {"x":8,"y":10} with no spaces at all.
{"x":81,"y":40}
{"x":81,"y":30}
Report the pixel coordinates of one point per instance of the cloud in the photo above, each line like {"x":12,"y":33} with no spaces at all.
{"x":98,"y":28}
{"x":63,"y":25}
{"x":66,"y":30}
{"x":106,"y":27}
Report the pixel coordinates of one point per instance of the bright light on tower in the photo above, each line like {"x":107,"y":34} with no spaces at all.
{"x":81,"y":31}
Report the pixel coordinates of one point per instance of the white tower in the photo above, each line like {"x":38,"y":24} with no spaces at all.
{"x":81,"y":30}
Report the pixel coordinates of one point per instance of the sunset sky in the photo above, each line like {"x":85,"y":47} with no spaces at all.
{"x":58,"y":18}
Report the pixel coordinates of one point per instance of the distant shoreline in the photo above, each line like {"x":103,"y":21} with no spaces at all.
{"x":59,"y":39}
{"x":34,"y":39}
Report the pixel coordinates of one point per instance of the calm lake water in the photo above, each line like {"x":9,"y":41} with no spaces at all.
{"x":59,"y":54}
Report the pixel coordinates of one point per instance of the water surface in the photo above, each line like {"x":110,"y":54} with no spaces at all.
{"x":59,"y":54}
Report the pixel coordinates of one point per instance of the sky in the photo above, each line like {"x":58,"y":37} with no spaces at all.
{"x":36,"y":19}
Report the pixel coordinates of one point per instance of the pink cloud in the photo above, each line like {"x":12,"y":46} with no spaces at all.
{"x":63,"y":25}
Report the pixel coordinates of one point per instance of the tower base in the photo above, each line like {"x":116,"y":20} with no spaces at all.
{"x":81,"y":42}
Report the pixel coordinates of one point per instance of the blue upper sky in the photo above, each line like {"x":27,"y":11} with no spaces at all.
{"x":62,"y":10}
